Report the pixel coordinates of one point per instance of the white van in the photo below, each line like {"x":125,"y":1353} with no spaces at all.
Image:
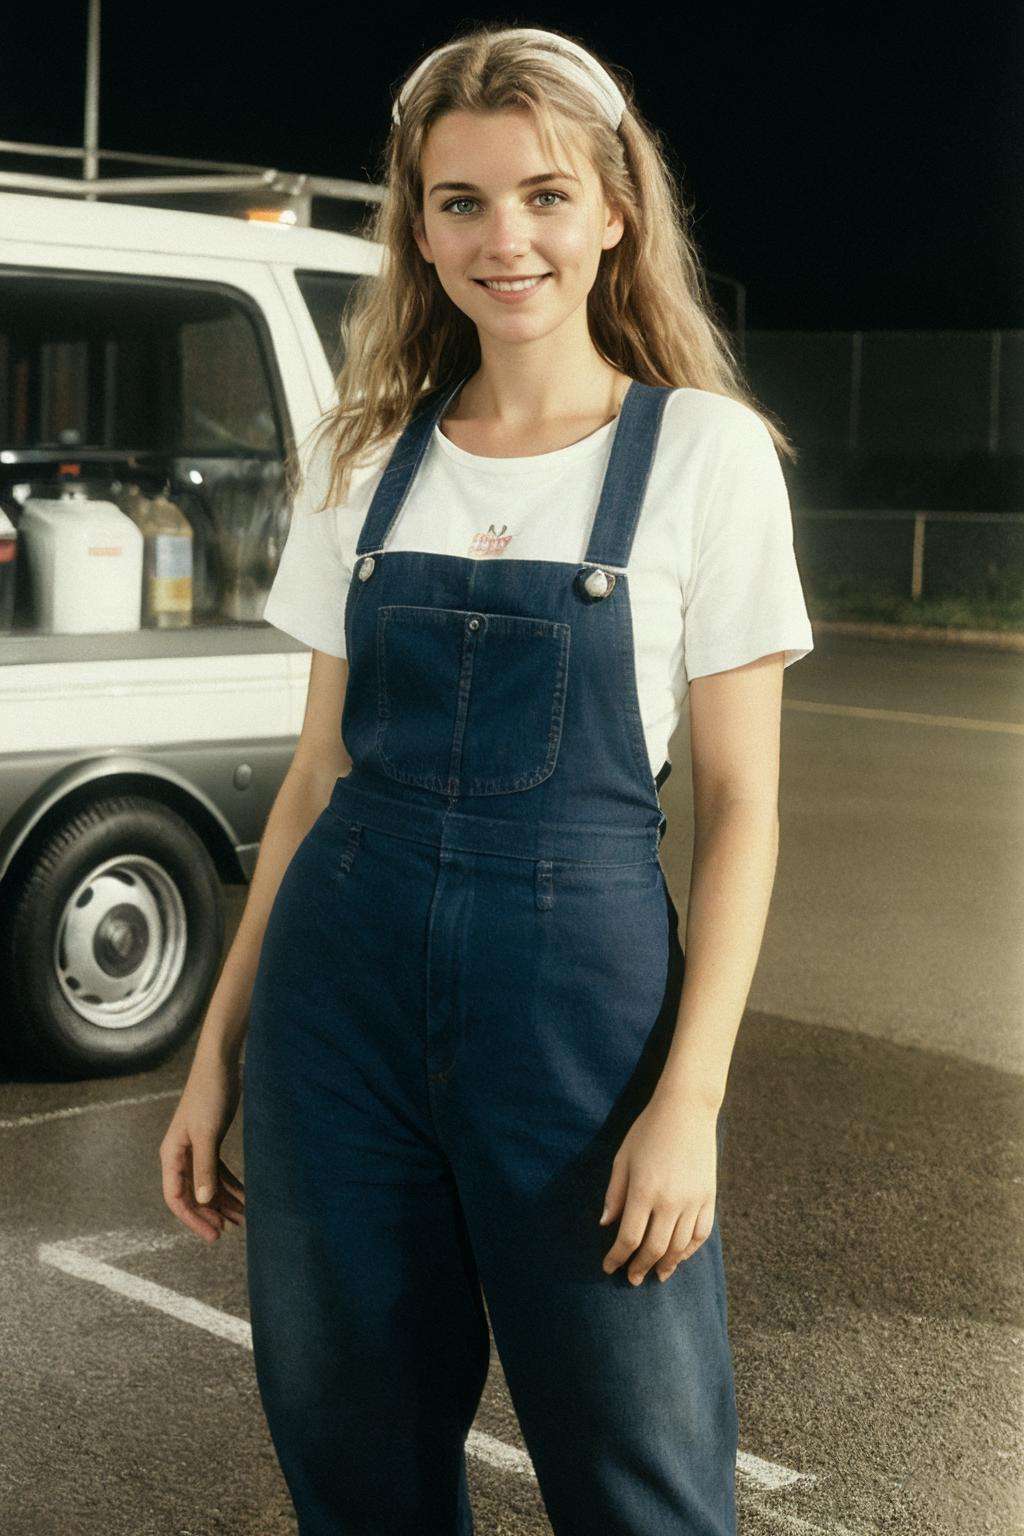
{"x":175,"y":358}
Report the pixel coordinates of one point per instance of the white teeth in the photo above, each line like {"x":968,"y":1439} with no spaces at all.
{"x":515,"y":287}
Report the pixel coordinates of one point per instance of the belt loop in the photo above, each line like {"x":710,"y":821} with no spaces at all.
{"x":543,"y":885}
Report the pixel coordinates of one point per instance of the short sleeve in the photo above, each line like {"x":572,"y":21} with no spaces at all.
{"x":744,"y":598}
{"x":307,"y":596}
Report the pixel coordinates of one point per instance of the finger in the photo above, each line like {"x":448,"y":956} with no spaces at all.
{"x":174,"y":1166}
{"x":678,"y":1246}
{"x":658,"y":1237}
{"x":226,"y":1202}
{"x":208,"y":1212}
{"x":702,"y":1229}
{"x":236,"y":1221}
{"x":176,"y":1183}
{"x":686,"y":1239}
{"x":205,"y":1226}
{"x":204,"y":1175}
{"x":615,"y":1194}
{"x":232,"y":1180}
{"x":631,"y":1232}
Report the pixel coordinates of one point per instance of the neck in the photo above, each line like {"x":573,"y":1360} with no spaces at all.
{"x":505,"y":403}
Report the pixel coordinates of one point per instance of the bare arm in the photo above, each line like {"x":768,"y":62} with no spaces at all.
{"x":198,"y":1186}
{"x":734,"y":736}
{"x":664,"y":1177}
{"x":320,"y":758}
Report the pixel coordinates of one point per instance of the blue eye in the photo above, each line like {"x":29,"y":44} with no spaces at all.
{"x":451,"y":203}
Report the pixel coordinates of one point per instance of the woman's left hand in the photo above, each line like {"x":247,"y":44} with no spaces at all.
{"x":663,"y":1186}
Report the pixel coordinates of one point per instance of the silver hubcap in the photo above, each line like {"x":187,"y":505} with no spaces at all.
{"x":120,"y":943}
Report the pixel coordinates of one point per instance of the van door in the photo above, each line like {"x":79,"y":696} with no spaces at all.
{"x":182,"y":377}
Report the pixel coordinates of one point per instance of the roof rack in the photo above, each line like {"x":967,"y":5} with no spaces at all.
{"x":230,"y":191}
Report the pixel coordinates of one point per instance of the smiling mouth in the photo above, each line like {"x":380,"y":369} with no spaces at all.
{"x":534,"y":278}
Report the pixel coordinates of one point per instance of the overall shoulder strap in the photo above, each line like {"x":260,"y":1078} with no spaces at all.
{"x":400,"y":470}
{"x":626,"y":476}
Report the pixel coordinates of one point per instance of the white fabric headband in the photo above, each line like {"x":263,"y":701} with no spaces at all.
{"x":555,"y":50}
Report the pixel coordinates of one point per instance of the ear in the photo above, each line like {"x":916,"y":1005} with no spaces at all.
{"x":614,"y":227}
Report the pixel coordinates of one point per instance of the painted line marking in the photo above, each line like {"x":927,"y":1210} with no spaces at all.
{"x":771,"y":1475}
{"x":69,"y":1258}
{"x":89,"y":1258}
{"x":907,"y":717}
{"x":85,"y":1109}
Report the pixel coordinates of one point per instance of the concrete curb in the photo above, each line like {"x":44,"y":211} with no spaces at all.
{"x":935,"y":634}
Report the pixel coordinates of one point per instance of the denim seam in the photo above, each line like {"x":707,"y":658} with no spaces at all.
{"x":627,"y":655}
{"x":431,"y":842}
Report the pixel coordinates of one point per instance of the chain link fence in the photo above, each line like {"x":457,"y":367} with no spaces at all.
{"x":910,"y":478}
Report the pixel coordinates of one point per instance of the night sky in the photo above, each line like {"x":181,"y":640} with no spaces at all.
{"x":855,"y":166}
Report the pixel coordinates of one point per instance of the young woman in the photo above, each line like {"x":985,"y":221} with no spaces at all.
{"x":543,"y":509}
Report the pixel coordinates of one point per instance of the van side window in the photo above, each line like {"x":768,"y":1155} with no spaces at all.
{"x":325,"y":295}
{"x":143,"y":437}
{"x":225,"y":395}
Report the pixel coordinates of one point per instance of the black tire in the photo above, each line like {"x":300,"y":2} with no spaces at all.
{"x":161,"y":940}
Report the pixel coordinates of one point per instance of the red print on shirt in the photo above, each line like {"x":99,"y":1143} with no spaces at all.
{"x":486,"y":545}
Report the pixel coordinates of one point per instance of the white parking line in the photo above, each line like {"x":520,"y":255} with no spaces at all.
{"x":67,"y":1257}
{"x":770,"y":1476}
{"x":86,"y":1109}
{"x":88,"y":1258}
{"x":906,"y":717}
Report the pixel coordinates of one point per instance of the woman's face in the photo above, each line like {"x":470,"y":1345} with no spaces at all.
{"x":480,"y":219}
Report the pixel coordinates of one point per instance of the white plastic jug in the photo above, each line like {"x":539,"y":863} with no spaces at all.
{"x":85,"y":564}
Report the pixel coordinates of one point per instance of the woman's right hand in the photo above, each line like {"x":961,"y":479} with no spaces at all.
{"x":198,"y":1186}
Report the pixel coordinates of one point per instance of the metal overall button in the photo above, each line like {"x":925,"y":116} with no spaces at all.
{"x":366,"y":566}
{"x":595,"y":583}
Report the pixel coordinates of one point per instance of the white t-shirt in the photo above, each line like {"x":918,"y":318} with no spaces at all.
{"x":713,"y":580}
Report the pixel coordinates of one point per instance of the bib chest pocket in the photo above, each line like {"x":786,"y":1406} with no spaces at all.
{"x":469,"y":703}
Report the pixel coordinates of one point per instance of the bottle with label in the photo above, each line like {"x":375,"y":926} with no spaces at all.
{"x":167,"y":557}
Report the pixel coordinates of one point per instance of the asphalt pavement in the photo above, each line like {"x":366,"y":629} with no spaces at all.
{"x":870,"y":1195}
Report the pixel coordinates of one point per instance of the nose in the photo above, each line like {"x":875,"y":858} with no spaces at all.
{"x":505,"y":235}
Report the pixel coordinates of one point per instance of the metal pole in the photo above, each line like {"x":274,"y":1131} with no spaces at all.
{"x":856,"y":369}
{"x":995,"y":369}
{"x":917,"y":558}
{"x":90,"y":168}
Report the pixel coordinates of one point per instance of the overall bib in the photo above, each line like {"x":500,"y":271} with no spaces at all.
{"x":466,"y":992}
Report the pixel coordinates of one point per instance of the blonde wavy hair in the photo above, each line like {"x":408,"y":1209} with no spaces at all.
{"x":649,"y":311}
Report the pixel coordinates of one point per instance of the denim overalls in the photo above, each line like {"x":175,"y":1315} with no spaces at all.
{"x":467,"y":990}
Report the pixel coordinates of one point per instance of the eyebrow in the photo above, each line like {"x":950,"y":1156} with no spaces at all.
{"x":527,"y":181}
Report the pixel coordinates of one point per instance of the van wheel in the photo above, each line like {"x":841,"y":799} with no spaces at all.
{"x":112,"y":940}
